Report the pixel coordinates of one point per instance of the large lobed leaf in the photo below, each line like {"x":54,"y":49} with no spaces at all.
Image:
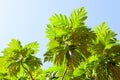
{"x":104,"y":34}
{"x":59,"y":20}
{"x":33,"y":46}
{"x":78,"y":17}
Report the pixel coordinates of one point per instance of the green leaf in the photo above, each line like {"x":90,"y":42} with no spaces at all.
{"x":104,"y":34}
{"x":33,"y":62}
{"x":13,"y":48}
{"x":15,"y":44}
{"x":50,"y":31}
{"x":60,"y":32}
{"x":52,"y":44}
{"x":14,"y":68}
{"x":78,"y":17}
{"x":93,"y":58}
{"x":80,"y":70}
{"x":33,"y":46}
{"x":59,"y":58}
{"x":59,"y":20}
{"x":48,"y":56}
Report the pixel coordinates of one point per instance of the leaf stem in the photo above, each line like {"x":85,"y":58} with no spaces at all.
{"x":31,"y":76}
{"x":64,"y":73}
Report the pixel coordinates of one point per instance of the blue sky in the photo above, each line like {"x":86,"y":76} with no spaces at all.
{"x":26,"y":19}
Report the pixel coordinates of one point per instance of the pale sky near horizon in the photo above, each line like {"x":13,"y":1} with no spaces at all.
{"x":26,"y":19}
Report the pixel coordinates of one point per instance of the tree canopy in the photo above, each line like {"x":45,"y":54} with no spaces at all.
{"x":77,"y":52}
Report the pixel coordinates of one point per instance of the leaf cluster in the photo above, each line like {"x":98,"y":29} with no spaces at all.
{"x":76,"y":51}
{"x":88,"y":54}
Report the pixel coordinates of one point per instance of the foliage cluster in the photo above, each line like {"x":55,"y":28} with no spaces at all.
{"x":76,"y":51}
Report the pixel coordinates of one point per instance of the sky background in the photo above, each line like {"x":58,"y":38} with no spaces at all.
{"x":26,"y":19}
